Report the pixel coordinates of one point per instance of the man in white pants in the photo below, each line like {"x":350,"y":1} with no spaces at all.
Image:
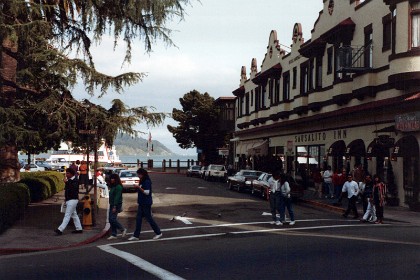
{"x":71,"y":193}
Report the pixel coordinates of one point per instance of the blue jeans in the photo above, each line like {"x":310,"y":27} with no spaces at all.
{"x":286,"y":202}
{"x":146,"y":212}
{"x":113,"y":221}
{"x":275,"y":205}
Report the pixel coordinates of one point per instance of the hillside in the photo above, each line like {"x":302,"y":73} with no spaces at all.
{"x":127,"y":145}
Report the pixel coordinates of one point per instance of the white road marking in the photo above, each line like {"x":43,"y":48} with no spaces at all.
{"x":185,"y":220}
{"x":142,"y":264}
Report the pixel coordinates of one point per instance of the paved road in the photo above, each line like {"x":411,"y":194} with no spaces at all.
{"x":212,"y":233}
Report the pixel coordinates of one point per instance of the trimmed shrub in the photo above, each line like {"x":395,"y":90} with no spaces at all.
{"x":14,"y":199}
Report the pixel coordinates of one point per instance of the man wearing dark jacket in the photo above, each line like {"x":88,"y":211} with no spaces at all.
{"x":71,"y":193}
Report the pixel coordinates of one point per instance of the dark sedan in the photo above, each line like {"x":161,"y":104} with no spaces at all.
{"x":242,"y":180}
{"x":261,"y":186}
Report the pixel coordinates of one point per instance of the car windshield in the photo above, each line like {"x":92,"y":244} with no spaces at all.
{"x":251,"y":173}
{"x":128,"y":174}
{"x":195,"y":167}
{"x":217,"y":167}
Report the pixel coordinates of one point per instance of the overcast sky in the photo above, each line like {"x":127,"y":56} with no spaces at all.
{"x":214,"y":41}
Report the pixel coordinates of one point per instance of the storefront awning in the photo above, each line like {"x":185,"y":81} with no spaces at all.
{"x":257,"y":147}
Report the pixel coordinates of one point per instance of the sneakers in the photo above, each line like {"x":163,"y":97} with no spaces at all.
{"x":58,"y":232}
{"x":278,"y":223}
{"x":272,"y":223}
{"x":292,"y":223}
{"x":133,"y":238}
{"x":124,"y":233}
{"x":112,"y":237}
{"x":157,"y":236}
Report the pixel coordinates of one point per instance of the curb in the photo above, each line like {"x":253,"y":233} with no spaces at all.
{"x":11,"y":251}
{"x":323,"y":205}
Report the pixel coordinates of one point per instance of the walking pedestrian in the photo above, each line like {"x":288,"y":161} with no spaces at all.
{"x":275,"y":196}
{"x":352,"y":190}
{"x":71,"y":196}
{"x":328,"y":185}
{"x":115,"y":206}
{"x":145,"y":202}
{"x":370,"y":212}
{"x":378,"y":195}
{"x":286,"y":201}
{"x":338,"y":179}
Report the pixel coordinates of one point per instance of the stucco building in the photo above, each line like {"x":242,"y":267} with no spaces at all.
{"x":348,"y":95}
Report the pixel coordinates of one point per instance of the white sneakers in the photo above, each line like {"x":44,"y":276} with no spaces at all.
{"x":133,"y":238}
{"x":112,"y":237}
{"x":124,"y":233}
{"x":291,"y":223}
{"x":157,"y":236}
{"x":278,"y":223}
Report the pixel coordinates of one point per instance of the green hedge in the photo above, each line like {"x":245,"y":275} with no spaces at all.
{"x":43,"y":185}
{"x":14,"y":199}
{"x":33,"y":187}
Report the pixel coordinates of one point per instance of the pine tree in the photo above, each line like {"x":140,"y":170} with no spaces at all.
{"x":45,"y":50}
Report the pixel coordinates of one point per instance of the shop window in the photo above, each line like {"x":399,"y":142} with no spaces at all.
{"x":415,"y":24}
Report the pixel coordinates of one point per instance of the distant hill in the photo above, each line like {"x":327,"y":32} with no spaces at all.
{"x":127,"y":145}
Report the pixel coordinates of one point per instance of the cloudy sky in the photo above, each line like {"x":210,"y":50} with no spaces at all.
{"x":214,"y":41}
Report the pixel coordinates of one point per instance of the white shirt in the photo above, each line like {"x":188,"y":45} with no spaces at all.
{"x":274,"y":185}
{"x":327,"y":176}
{"x":285,"y":189}
{"x":351,"y":188}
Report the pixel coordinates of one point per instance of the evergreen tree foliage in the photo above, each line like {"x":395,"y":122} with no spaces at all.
{"x":198,"y":124}
{"x":46,"y":50}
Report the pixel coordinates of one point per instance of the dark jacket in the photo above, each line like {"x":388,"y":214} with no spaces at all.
{"x":144,"y":199}
{"x":71,"y":189}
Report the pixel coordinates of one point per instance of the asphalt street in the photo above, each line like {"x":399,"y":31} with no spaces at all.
{"x":210,"y":232}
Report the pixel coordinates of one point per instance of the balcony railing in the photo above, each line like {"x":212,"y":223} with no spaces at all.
{"x":352,"y":59}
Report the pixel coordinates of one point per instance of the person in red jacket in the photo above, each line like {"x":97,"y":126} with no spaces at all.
{"x":339,"y":178}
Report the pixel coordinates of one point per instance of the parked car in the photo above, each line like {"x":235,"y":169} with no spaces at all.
{"x":194,"y":171}
{"x":31,"y":167}
{"x":58,"y":164}
{"x":260,"y":185}
{"x":44,"y":164}
{"x":129,"y":179}
{"x":242,"y":180}
{"x":215,"y":171}
{"x":107,"y":171}
{"x":203,"y":170}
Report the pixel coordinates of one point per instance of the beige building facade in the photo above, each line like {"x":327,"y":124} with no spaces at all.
{"x":348,"y":95}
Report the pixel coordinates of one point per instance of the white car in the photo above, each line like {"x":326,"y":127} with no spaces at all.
{"x":32,"y":167}
{"x":215,"y":171}
{"x":129,"y":179}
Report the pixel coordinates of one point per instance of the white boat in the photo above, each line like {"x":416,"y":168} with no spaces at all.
{"x":66,"y":154}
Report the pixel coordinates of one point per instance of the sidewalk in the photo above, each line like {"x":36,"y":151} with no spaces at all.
{"x":35,"y":231}
{"x":391,"y":213}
